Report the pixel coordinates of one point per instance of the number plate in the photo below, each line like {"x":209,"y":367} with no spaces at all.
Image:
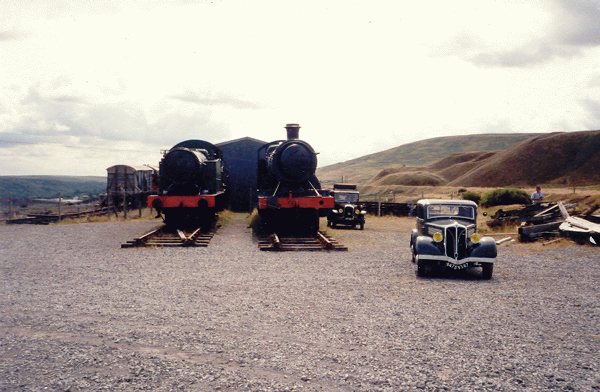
{"x":457,"y":266}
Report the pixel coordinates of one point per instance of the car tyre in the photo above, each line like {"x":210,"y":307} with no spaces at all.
{"x":424,"y":268}
{"x":487,"y":269}
{"x":362,"y":226}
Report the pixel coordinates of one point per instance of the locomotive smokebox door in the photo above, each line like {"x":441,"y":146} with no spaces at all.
{"x":297,"y":163}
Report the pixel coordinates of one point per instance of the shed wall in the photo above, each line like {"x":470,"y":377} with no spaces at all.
{"x":240,"y":159}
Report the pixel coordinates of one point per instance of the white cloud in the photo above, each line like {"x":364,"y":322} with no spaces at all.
{"x":358,"y":77}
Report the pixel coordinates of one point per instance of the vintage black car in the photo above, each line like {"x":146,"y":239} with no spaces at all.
{"x":446,"y":238}
{"x":347,"y":210}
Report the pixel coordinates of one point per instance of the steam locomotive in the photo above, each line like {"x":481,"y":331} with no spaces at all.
{"x":191,"y":184}
{"x":290,"y":198}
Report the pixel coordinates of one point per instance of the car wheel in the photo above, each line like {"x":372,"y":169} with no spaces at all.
{"x":333,"y":225}
{"x":487,"y":269}
{"x":424,"y":268}
{"x":362,"y":226}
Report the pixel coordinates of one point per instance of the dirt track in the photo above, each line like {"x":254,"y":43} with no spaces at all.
{"x":78,"y":313}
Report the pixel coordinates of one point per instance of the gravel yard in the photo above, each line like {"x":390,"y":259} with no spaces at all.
{"x":78,"y":313}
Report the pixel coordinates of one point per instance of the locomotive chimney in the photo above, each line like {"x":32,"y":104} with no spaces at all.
{"x":293,"y":131}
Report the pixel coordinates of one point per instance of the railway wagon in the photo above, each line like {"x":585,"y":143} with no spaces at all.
{"x":130,"y":183}
{"x":191,"y":184}
{"x":290,"y":198}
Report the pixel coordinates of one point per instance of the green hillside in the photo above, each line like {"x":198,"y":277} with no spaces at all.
{"x":361,"y":170}
{"x":33,"y":187}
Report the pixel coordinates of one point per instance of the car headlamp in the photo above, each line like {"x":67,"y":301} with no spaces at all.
{"x":475,"y":238}
{"x":340,"y":210}
{"x":438,"y":237}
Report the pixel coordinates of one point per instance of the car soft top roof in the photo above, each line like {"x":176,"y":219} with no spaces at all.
{"x":428,"y":202}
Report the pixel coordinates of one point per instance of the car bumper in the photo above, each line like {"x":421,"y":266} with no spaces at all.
{"x":345,"y":220}
{"x":456,"y":264}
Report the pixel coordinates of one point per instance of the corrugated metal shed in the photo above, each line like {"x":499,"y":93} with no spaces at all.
{"x":240,"y":158}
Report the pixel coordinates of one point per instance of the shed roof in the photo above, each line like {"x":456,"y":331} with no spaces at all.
{"x":128,"y":168}
{"x":250,"y":139}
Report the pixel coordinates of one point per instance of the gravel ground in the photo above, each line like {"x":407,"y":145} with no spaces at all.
{"x":78,"y":313}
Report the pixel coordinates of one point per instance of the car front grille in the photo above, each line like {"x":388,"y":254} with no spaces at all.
{"x":349,"y":211}
{"x":456,"y":242}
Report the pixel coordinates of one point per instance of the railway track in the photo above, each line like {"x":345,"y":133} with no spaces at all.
{"x":320,"y":241}
{"x":163,"y":237}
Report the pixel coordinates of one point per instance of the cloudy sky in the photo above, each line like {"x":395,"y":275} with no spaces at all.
{"x":86,"y":85}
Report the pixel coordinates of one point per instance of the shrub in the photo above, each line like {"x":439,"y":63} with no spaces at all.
{"x":468,"y":195}
{"x":505,"y":196}
{"x":462,"y":190}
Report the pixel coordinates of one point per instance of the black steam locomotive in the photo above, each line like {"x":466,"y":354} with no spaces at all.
{"x":191,"y":184}
{"x":290,"y":198}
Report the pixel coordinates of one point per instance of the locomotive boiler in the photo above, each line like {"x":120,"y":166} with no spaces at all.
{"x":191,"y":184}
{"x":289,"y":194}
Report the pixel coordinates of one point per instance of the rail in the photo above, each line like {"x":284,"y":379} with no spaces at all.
{"x":167,"y":237}
{"x":317,"y":242}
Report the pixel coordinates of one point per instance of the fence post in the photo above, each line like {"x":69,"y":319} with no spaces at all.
{"x":124,"y":203}
{"x":59,"y":205}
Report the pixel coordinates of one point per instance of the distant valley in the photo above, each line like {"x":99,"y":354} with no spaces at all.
{"x":46,"y":187}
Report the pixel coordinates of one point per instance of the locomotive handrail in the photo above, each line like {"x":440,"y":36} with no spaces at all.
{"x":314,"y":189}
{"x":276,"y":189}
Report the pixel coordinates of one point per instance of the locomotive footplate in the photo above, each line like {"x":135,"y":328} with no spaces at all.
{"x":279,"y":243}
{"x":309,"y":202}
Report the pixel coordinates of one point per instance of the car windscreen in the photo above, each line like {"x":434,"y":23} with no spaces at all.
{"x":346,"y":197}
{"x":450,"y":211}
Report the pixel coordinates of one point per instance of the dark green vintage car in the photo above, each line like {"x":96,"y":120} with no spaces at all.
{"x":446,"y":238}
{"x":347,"y":209}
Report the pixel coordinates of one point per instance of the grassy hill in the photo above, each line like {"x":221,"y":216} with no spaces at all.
{"x":33,"y":187}
{"x":363,"y":169}
{"x":557,"y":160}
{"x":562,"y":159}
{"x":567,"y":159}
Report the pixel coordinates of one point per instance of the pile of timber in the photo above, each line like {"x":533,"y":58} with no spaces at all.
{"x":579,"y":229}
{"x":556,"y":221}
{"x":534,"y":214}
